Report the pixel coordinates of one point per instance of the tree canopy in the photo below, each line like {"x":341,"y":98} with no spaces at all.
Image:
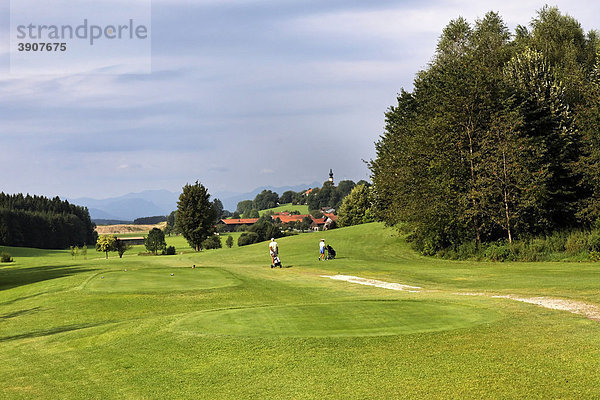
{"x":265,"y":199}
{"x":498,"y":139}
{"x":196,"y":215}
{"x":106,"y":243}
{"x":356,"y":207}
{"x":37,"y":221}
{"x":155,"y":241}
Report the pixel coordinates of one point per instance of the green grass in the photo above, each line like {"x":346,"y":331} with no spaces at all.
{"x":337,"y":319}
{"x":144,"y":280}
{"x":302,"y":208}
{"x":233,"y":328}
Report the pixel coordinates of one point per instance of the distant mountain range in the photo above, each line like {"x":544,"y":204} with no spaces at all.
{"x":161,"y":202}
{"x":130,"y":206}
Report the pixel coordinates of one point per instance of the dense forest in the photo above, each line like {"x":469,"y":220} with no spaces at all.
{"x":36,"y":221}
{"x":499,"y":140}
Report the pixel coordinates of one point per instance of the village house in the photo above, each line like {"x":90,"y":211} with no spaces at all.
{"x":132,"y":241}
{"x":318,"y":224}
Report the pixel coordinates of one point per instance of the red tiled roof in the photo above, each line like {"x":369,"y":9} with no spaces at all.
{"x":249,"y":221}
{"x":332,"y":216}
{"x":293,"y":218}
{"x":290,"y":218}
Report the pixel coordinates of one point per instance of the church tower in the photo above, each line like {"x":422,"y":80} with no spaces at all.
{"x":331,"y":176}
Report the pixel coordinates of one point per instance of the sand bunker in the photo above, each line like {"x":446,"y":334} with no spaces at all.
{"x":590,"y":311}
{"x":372,"y":282}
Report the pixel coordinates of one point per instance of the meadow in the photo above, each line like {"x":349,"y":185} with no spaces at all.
{"x":301,"y":208}
{"x":153,"y":327}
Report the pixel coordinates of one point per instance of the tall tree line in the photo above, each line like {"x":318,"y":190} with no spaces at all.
{"x":498,"y":138}
{"x":36,"y":221}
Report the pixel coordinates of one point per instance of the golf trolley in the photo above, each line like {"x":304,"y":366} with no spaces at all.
{"x":330,"y":253}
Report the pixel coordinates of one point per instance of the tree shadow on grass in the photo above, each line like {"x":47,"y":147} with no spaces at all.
{"x":15,"y":277}
{"x":13,"y":301}
{"x":19,"y":313}
{"x":48,"y":332}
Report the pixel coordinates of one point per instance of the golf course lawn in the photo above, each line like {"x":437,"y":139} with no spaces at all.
{"x":153,"y":327}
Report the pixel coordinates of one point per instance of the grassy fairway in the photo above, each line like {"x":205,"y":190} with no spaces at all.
{"x":350,"y":318}
{"x":146,"y":280}
{"x":234,"y":328}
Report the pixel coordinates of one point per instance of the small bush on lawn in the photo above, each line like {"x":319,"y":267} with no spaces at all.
{"x":6,"y":258}
{"x":171,"y":251}
{"x":248,"y":238}
{"x":212,"y":242}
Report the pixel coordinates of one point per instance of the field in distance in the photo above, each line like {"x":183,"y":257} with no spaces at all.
{"x":301,"y":208}
{"x":127,"y":228}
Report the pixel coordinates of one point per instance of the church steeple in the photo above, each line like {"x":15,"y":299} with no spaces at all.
{"x":331,"y":176}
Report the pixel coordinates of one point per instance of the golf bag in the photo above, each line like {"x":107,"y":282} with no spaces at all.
{"x":330,"y":253}
{"x":276,"y":262}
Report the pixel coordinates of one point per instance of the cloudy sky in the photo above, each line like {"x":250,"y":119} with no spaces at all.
{"x":243,"y":93}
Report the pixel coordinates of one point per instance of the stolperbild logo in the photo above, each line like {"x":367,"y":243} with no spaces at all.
{"x":65,"y":37}
{"x":84,"y":31}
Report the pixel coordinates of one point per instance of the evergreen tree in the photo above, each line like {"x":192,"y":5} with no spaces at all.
{"x":196,"y":215}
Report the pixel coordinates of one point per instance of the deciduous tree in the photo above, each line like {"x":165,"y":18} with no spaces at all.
{"x":155,"y":241}
{"x":106,"y":243}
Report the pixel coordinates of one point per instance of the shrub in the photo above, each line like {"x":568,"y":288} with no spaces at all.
{"x":229,"y":241}
{"x":171,"y":251}
{"x":497,"y":252}
{"x":534,"y":250}
{"x":248,"y":238}
{"x":221,"y":228}
{"x":241,"y":228}
{"x":563,"y":245}
{"x":212,"y":242}
{"x":556,"y":242}
{"x":594,"y":241}
{"x":576,"y":242}
{"x":466,"y":250}
{"x":6,"y":258}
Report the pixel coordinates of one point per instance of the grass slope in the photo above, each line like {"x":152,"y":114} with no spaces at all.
{"x":234,"y":328}
{"x":301,"y":208}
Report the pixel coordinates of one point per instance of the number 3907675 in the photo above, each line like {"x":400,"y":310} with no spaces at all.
{"x":42,"y":46}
